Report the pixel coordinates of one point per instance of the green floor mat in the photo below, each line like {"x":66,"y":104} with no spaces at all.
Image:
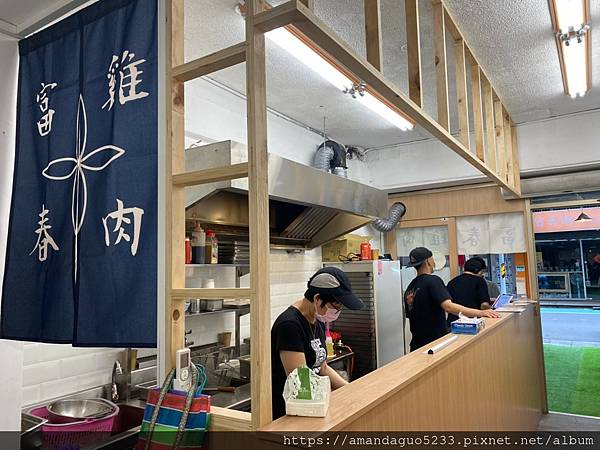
{"x":573,"y":379}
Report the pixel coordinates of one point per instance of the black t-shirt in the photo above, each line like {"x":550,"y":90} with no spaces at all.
{"x":468,"y":290}
{"x":292,"y":332}
{"x":427,"y":318}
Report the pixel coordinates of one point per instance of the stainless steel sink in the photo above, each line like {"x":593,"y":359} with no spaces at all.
{"x":126,"y":429}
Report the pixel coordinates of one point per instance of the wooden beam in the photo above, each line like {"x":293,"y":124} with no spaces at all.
{"x":373,"y":32}
{"x":208,"y":293}
{"x":277,"y":17}
{"x":460,"y":62}
{"x":500,"y":143}
{"x":213,"y":175}
{"x":510,"y":174}
{"x":230,"y":56}
{"x":174,"y":204}
{"x":441,"y":65}
{"x":515,"y":157}
{"x":413,"y":48}
{"x":490,"y":125}
{"x":324,"y":39}
{"x":222,"y":419}
{"x":309,"y":4}
{"x":258,"y":202}
{"x":478,"y":111}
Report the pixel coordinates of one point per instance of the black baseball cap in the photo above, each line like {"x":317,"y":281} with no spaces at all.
{"x":418,"y":256}
{"x":334,"y":282}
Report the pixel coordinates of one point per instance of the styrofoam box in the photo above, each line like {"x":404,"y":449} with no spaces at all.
{"x":311,"y":408}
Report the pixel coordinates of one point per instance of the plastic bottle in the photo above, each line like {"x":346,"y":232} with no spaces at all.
{"x":198,"y":245}
{"x":188,"y":251}
{"x":365,"y":251}
{"x":212,"y":248}
{"x":329,"y":346}
{"x":328,"y":341}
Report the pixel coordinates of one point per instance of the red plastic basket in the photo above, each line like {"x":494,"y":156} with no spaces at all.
{"x":63,"y":435}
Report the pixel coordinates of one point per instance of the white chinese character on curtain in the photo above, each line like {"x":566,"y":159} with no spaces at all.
{"x":119,"y":216}
{"x":123,"y":75}
{"x":44,"y":239}
{"x":45,"y":123}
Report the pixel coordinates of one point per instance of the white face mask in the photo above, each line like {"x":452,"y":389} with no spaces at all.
{"x":330,"y":315}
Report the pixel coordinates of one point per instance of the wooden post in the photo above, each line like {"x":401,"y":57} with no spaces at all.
{"x":490,"y":127}
{"x":258,"y":197}
{"x":413,"y":48}
{"x":500,"y":143}
{"x":515,"y":157}
{"x":461,"y":93}
{"x":174,"y":204}
{"x":477,"y":111}
{"x":373,"y":32}
{"x":510,"y":170}
{"x":441,"y":64}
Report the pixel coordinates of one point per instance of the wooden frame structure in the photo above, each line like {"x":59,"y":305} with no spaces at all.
{"x":495,"y":153}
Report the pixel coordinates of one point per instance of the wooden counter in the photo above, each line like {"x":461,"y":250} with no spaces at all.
{"x":489,"y":382}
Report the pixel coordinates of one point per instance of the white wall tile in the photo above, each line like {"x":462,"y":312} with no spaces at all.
{"x":60,"y":387}
{"x":31,"y":395}
{"x":41,"y":372}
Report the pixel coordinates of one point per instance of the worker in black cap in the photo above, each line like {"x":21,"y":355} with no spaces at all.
{"x":298,"y":334}
{"x":427,"y":301}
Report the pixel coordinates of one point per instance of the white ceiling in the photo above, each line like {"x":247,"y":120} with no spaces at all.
{"x":511,"y":38}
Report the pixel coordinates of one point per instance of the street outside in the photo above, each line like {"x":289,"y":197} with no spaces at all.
{"x":571,"y":326}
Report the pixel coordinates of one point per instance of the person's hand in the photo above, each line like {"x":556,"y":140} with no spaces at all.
{"x":490,"y":313}
{"x":409,"y":298}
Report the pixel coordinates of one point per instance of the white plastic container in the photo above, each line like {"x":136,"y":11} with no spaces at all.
{"x":311,"y":408}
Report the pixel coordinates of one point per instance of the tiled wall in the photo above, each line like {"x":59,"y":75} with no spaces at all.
{"x":289,"y":274}
{"x":51,"y":371}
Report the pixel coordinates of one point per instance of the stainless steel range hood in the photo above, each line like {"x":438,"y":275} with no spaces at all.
{"x":307,"y":207}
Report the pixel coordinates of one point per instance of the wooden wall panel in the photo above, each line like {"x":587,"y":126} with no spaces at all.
{"x":464,"y":201}
{"x":499,"y":404}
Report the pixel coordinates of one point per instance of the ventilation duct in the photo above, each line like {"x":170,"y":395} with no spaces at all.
{"x":396,"y":213}
{"x":563,"y":183}
{"x":331,"y":157}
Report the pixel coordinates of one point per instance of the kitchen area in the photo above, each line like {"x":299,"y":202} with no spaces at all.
{"x":220,"y":226}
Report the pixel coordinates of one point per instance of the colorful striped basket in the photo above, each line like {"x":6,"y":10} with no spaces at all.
{"x":174,"y":419}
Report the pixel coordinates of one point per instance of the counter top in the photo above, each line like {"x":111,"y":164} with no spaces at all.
{"x":232,"y":400}
{"x":371,"y":390}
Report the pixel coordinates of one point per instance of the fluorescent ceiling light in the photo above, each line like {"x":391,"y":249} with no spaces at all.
{"x":570,"y":21}
{"x":306,"y":55}
{"x":570,"y":14}
{"x":575,"y":57}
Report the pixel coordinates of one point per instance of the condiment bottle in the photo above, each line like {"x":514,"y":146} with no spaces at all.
{"x":198,"y":245}
{"x":365,"y":251}
{"x":212,"y":248}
